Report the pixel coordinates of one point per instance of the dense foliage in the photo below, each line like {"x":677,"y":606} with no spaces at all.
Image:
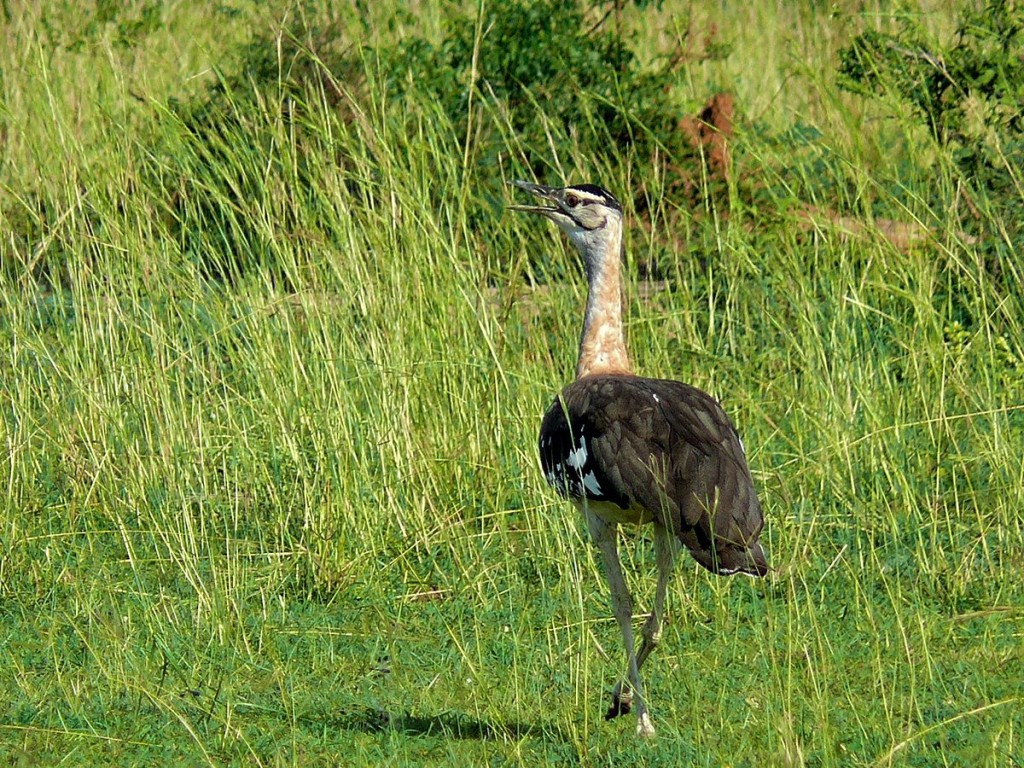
{"x":511,"y":83}
{"x":969,"y":93}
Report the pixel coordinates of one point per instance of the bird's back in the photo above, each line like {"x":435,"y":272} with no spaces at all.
{"x":662,"y":450}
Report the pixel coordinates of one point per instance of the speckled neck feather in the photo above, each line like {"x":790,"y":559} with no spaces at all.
{"x":602,"y":343}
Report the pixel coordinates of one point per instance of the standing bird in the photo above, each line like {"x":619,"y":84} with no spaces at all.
{"x":627,"y":449}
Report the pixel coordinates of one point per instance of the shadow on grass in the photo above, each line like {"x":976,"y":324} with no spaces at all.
{"x":449,"y":724}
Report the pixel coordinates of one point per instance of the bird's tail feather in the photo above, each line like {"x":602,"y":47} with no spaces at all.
{"x":750,"y":560}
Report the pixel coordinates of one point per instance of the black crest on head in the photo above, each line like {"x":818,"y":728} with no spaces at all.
{"x":606,"y":197}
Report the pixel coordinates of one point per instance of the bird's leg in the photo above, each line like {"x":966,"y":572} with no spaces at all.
{"x":603,"y":534}
{"x":664,"y":547}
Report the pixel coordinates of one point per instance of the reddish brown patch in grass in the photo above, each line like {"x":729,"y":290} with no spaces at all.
{"x":709,"y":134}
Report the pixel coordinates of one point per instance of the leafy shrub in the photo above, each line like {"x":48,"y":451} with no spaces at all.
{"x":540,"y":68}
{"x":541,"y":63}
{"x":969,"y":94}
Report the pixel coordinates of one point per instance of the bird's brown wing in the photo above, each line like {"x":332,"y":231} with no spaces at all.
{"x":671,"y":449}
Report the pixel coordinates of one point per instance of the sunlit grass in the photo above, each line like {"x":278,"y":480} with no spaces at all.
{"x":290,"y":513}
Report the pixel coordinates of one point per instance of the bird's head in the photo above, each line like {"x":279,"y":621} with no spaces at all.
{"x":590,"y":216}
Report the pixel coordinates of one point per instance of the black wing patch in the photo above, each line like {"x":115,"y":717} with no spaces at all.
{"x":568,"y":461}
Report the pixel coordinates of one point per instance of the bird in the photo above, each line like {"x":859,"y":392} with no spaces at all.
{"x":632,"y":450}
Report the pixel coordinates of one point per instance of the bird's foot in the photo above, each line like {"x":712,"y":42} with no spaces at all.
{"x":622,"y":703}
{"x":644,"y":727}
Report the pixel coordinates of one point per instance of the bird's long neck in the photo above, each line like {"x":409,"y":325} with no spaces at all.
{"x":602,"y":344}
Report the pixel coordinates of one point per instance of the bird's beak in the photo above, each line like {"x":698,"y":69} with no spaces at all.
{"x":538,"y":190}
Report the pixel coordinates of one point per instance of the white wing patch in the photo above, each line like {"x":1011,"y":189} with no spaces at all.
{"x":574,"y":476}
{"x":578,"y":458}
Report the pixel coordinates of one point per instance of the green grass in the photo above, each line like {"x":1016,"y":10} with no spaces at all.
{"x":294,"y":516}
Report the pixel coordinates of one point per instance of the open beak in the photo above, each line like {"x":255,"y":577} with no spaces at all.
{"x":544,"y":193}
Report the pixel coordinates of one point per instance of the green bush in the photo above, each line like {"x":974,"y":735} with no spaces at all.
{"x":509,"y":83}
{"x":541,"y":63}
{"x":970,"y":96}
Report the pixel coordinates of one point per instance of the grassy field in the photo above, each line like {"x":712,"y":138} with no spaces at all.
{"x":272,"y":372}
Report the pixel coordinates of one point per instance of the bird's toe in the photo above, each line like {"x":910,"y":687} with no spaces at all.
{"x":621,"y":705}
{"x":644,"y":727}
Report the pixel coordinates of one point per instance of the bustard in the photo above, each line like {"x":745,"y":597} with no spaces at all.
{"x":627,"y":449}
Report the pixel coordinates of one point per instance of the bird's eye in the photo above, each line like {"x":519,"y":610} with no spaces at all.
{"x":571,"y":200}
